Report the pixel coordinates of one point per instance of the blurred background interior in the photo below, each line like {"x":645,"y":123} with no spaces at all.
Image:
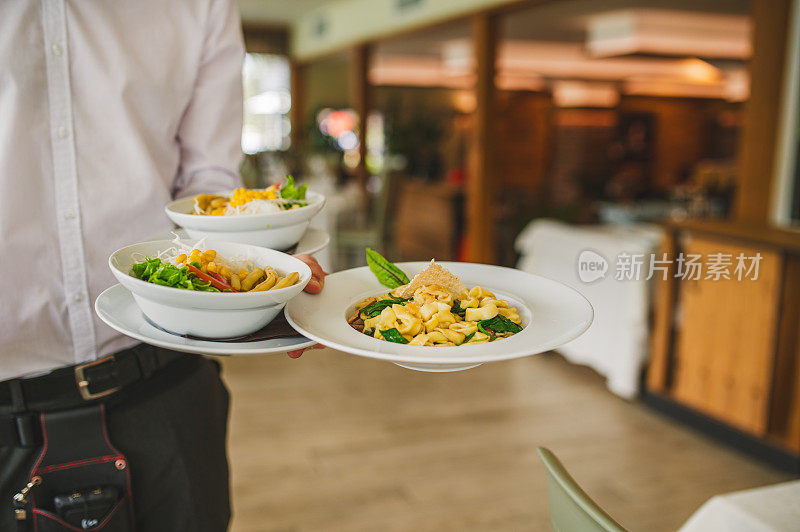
{"x":521,"y":133}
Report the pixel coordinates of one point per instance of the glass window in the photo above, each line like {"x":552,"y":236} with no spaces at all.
{"x":267,"y":101}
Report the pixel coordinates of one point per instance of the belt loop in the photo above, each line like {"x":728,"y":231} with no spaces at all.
{"x":18,"y":403}
{"x":148,"y":361}
{"x":29,"y":430}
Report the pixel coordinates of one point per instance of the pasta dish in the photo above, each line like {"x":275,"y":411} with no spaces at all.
{"x":435,"y":309}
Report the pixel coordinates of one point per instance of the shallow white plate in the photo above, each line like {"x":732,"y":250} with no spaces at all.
{"x":116,"y":307}
{"x":551,"y":312}
{"x":312,"y":241}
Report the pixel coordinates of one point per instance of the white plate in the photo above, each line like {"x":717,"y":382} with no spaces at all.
{"x":116,"y":307}
{"x":551,"y":312}
{"x":312,"y":241}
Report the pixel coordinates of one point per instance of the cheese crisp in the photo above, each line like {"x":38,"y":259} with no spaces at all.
{"x":434,"y":275}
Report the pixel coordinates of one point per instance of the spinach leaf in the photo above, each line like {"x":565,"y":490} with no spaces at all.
{"x":498,"y":324}
{"x":373,"y":309}
{"x":393,"y":335}
{"x":482,"y":329}
{"x":468,"y":338}
{"x":456,"y":309}
{"x":387,"y":273}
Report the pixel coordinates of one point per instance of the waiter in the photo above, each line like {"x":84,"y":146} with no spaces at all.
{"x":108,"y":109}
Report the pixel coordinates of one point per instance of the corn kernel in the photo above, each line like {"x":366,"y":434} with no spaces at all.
{"x":211,"y":266}
{"x":194,"y":254}
{"x":181,"y":259}
{"x":210,"y":254}
{"x":225,"y":272}
{"x":242,"y":274}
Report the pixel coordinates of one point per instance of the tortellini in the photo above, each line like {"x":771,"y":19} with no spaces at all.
{"x":433,"y":317}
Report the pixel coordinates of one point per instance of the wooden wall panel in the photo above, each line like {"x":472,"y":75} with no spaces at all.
{"x":681,"y":131}
{"x":523,"y":140}
{"x":726,"y":341}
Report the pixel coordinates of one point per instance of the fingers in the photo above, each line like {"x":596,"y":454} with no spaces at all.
{"x":298,"y":352}
{"x":314,"y":286}
{"x":317,"y":281}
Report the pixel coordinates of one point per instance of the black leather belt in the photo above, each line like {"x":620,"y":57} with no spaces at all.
{"x":22,"y":399}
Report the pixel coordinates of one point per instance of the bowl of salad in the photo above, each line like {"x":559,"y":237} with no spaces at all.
{"x":208,"y":289}
{"x":275,"y":217}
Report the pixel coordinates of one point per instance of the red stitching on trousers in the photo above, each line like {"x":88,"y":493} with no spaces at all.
{"x":79,"y":463}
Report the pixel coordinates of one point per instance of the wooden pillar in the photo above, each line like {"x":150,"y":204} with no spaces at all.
{"x":479,"y":200}
{"x":762,"y":111}
{"x":297,"y":113}
{"x":360,"y":99}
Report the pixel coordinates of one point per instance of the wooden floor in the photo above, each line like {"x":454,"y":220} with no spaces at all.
{"x":335,"y":442}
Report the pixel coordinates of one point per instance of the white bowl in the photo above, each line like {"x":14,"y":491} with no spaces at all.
{"x":280,"y":230}
{"x":208,"y":314}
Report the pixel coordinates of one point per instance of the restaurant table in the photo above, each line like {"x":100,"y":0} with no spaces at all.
{"x":773,"y":508}
{"x":617,"y":343}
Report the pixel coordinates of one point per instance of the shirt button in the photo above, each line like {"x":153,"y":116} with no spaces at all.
{"x":78,"y":297}
{"x":69,"y":214}
{"x":62,"y":132}
{"x":56,"y":49}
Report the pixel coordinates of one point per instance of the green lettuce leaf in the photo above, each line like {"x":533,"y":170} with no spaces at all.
{"x":165,"y":274}
{"x":291,"y":192}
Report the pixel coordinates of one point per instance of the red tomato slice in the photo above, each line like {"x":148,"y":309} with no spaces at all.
{"x":216,"y":283}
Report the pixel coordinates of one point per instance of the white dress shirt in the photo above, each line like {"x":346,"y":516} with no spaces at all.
{"x":108,"y":108}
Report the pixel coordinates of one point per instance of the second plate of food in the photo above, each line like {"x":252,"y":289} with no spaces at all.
{"x":436,"y":323}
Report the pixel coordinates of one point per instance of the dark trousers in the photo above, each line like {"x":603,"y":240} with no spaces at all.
{"x":172,"y":429}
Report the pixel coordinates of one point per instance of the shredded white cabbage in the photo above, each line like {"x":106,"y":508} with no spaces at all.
{"x":254,"y":207}
{"x":234,"y":264}
{"x":170,"y":254}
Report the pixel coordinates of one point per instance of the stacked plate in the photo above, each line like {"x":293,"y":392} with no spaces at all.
{"x":233,"y":322}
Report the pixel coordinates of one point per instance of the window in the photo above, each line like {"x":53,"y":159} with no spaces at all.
{"x":267,"y":101}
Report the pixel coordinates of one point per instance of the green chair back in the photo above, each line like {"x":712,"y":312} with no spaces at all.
{"x":571,"y":509}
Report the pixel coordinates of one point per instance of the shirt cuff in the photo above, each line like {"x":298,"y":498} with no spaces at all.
{"x":206,"y":181}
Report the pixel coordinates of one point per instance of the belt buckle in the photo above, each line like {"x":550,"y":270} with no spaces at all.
{"x":83,"y":384}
